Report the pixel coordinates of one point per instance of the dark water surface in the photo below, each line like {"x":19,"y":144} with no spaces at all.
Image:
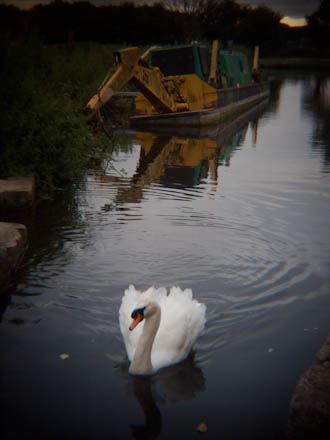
{"x":241,"y":215}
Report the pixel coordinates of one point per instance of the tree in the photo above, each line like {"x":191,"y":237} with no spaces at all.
{"x":319,"y":25}
{"x":220,"y":19}
{"x":228,"y":20}
{"x":261,"y":26}
{"x":188,"y":6}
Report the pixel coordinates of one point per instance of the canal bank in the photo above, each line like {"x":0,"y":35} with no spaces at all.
{"x":16,"y":195}
{"x":310,"y":404}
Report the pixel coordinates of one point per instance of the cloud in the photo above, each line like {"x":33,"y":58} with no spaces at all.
{"x":290,"y":8}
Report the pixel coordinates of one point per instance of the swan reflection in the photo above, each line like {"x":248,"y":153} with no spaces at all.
{"x":171,"y":385}
{"x":153,"y":420}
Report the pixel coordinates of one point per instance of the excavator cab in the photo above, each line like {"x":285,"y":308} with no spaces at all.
{"x":182,"y":60}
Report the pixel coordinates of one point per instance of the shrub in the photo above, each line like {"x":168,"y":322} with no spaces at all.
{"x":43,"y":89}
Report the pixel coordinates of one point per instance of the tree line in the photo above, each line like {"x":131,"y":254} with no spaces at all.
{"x":167,"y":22}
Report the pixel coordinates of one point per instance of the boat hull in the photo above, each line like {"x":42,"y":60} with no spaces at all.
{"x":231,"y":102}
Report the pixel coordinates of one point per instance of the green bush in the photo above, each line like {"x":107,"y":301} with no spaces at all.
{"x":43,"y":89}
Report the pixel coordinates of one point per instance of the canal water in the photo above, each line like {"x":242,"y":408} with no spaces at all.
{"x":238,"y":213}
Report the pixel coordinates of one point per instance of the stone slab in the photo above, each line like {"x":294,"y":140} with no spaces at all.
{"x":17,"y":192}
{"x":13,"y":244}
{"x":310,"y":404}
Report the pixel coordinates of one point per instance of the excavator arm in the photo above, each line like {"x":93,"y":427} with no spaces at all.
{"x":131,"y":67}
{"x":125,"y":61}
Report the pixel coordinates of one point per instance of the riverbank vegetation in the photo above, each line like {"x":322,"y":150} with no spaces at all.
{"x":300,"y":63}
{"x":54,"y":56}
{"x":43,"y":91}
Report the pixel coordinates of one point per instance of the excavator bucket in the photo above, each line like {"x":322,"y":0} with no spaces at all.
{"x":131,"y":67}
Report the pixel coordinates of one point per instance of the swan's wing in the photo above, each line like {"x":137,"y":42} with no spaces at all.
{"x":182,"y":321}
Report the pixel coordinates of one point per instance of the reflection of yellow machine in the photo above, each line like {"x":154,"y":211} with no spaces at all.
{"x":180,"y":154}
{"x":183,"y":85}
{"x":179,"y":160}
{"x":179,"y":151}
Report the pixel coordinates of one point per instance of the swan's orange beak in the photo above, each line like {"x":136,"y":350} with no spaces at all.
{"x":137,"y":317}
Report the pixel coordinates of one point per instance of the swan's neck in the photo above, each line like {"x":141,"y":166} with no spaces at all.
{"x":141,"y":363}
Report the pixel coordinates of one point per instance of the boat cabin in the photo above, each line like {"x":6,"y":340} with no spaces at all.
{"x":196,"y":59}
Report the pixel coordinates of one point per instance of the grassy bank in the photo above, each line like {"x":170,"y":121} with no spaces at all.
{"x":43,"y":89}
{"x":295,"y":63}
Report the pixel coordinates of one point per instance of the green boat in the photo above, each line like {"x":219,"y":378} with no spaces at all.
{"x":187,"y":85}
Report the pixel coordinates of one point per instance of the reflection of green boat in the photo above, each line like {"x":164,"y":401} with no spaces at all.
{"x":230,"y":126}
{"x":176,"y":159}
{"x":179,"y":158}
{"x":188,"y":85}
{"x":235,"y":141}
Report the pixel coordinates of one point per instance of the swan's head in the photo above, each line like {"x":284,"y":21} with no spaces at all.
{"x":143,"y":310}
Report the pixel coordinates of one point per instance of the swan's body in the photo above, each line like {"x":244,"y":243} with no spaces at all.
{"x":170,"y":325}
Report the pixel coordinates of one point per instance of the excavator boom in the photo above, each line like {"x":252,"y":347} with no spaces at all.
{"x":130,"y":66}
{"x":125,"y":61}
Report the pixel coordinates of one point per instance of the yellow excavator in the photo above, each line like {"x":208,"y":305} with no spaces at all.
{"x":177,"y":80}
{"x":158,"y":93}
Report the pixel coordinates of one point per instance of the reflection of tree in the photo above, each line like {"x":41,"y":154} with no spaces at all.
{"x":48,"y":240}
{"x":275,"y":92}
{"x":316,"y":99}
{"x":55,"y":214}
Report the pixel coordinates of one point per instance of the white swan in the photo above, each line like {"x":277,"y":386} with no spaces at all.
{"x":170,"y":324}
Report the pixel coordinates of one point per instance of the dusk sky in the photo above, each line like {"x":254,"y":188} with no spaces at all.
{"x":294,"y":11}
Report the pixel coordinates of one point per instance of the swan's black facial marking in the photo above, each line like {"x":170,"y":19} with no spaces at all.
{"x":139,"y":311}
{"x":137,"y":316}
